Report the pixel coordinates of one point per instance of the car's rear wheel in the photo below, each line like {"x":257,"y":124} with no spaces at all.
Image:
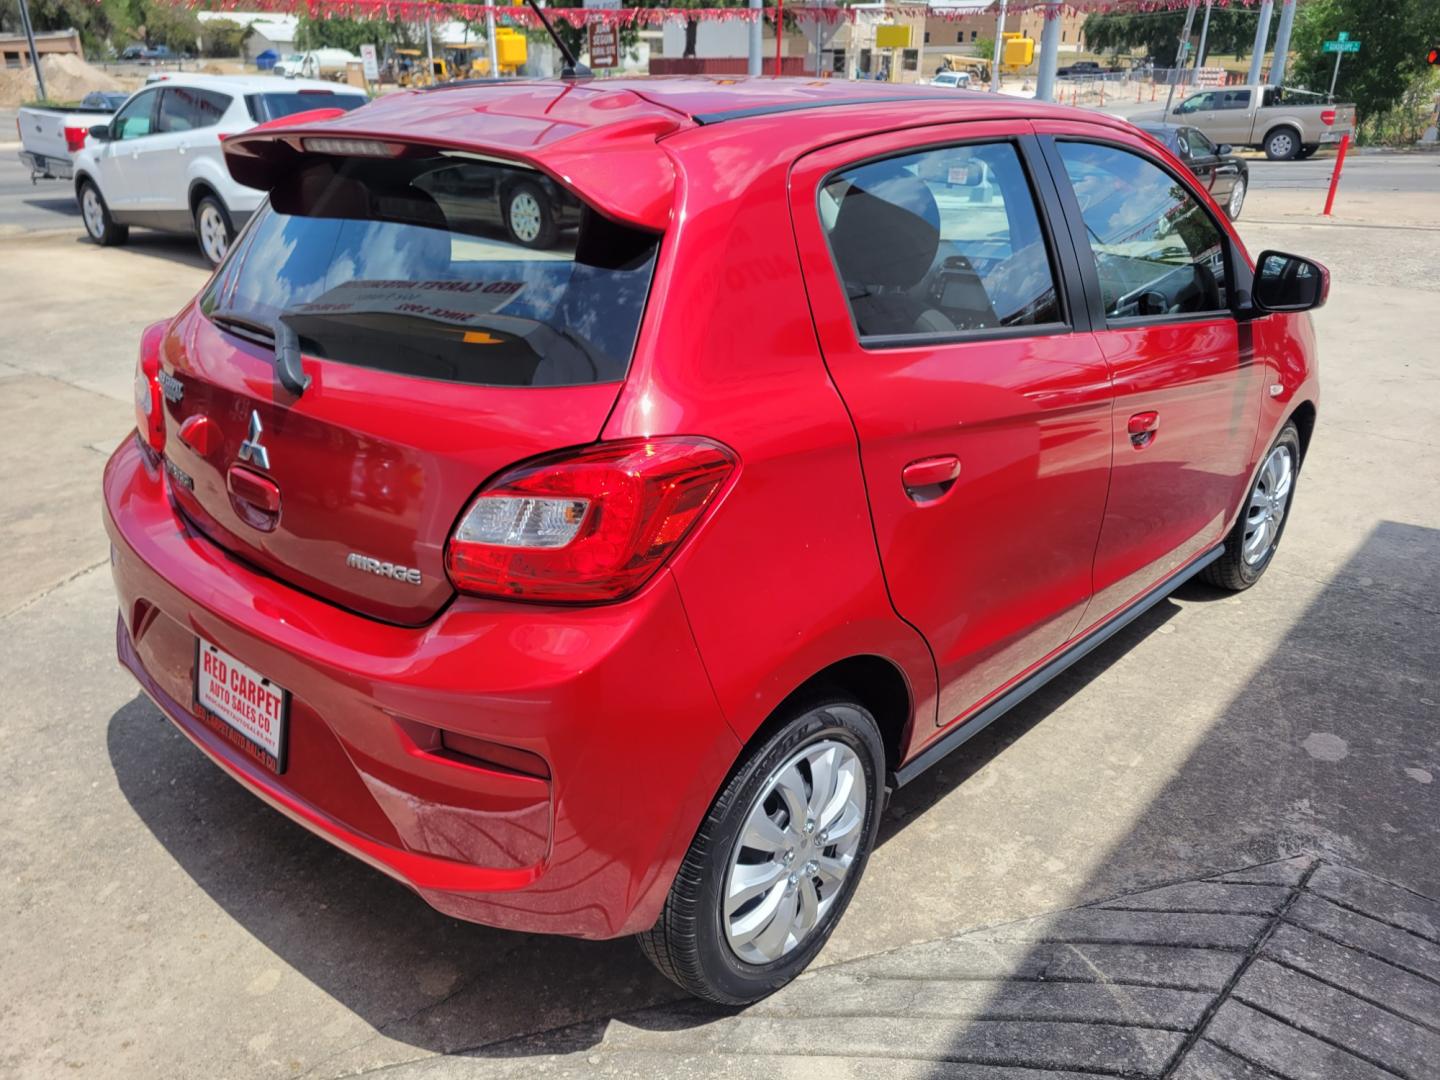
{"x":529,"y":217}
{"x":213,"y":230}
{"x":1257,"y":532}
{"x":1307,"y":150}
{"x":1236,"y":201}
{"x":1282,"y":144}
{"x":99,"y":224}
{"x":776,"y":860}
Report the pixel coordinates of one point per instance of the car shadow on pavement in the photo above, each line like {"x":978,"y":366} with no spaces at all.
{"x":172,"y":247}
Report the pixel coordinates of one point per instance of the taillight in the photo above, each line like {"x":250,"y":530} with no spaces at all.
{"x":75,"y":139}
{"x":149,"y":410}
{"x":586,"y":525}
{"x":1327,"y":116}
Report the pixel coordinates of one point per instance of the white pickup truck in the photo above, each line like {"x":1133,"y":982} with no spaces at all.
{"x":50,"y":135}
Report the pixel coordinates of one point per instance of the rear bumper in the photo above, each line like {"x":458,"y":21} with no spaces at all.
{"x":52,"y":168}
{"x":613,"y":699}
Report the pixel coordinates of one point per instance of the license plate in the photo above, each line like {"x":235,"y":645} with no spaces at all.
{"x":242,"y":705}
{"x":1329,"y":136}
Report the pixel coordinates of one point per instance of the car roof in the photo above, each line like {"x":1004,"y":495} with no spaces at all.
{"x":562,"y":126}
{"x":253,"y":84}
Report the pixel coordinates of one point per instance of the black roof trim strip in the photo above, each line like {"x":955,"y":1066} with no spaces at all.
{"x":769,"y":110}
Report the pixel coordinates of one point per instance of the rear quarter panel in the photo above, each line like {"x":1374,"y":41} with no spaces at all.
{"x":783,"y":578}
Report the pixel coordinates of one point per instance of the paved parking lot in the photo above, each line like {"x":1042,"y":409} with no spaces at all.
{"x":1270,"y":759}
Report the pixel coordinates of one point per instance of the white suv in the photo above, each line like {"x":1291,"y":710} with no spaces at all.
{"x":157,"y":162}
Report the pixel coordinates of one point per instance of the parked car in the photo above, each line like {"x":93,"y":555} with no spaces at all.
{"x":288,"y":65}
{"x":1284,"y":123}
{"x":959,"y":80}
{"x":149,"y":54}
{"x":1225,"y":176}
{"x":610,"y":590}
{"x":51,"y":135}
{"x":1080,"y":67}
{"x":156,"y":163}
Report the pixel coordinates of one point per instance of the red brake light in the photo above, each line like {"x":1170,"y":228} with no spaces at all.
{"x":1327,"y":116}
{"x":149,"y":404}
{"x":586,"y":525}
{"x":75,"y":138}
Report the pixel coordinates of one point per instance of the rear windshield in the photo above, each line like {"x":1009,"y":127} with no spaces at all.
{"x":272,"y":106}
{"x":441,"y":268}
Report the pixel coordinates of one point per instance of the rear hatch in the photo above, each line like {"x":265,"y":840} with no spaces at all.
{"x":439,"y":351}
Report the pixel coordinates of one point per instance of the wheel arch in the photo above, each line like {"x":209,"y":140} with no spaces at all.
{"x":199,"y":188}
{"x":1303,"y":416}
{"x":1284,"y":125}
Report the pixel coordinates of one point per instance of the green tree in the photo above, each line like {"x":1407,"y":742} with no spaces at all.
{"x":1393,"y":36}
{"x":350,"y":34}
{"x":984,"y":46}
{"x":223,"y":37}
{"x":1157,"y":34}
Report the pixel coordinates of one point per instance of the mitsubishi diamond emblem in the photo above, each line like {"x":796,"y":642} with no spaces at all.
{"x":251,"y":449}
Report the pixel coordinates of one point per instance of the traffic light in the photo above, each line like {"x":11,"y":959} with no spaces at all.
{"x":1433,"y":56}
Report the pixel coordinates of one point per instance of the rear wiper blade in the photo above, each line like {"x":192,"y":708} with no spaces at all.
{"x":281,"y":335}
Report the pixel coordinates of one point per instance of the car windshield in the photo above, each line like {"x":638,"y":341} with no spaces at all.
{"x":406,"y":266}
{"x":274,"y":105}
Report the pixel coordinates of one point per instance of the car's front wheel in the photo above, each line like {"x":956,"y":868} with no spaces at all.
{"x":213,"y":231}
{"x":1257,"y":532}
{"x":1236,"y":200}
{"x":776,"y":859}
{"x":99,"y":224}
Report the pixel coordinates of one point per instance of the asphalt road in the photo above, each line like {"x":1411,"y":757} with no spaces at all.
{"x":1416,"y":173}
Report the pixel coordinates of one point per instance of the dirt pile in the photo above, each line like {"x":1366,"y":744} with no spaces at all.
{"x":67,"y":79}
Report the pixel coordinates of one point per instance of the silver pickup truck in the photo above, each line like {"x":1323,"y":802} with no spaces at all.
{"x":1284,"y":123}
{"x":51,"y":134}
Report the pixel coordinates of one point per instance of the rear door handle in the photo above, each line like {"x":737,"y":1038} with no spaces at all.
{"x":929,"y":478}
{"x":1143,"y":427}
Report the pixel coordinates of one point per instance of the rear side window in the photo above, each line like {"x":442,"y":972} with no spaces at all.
{"x":1157,"y":251}
{"x":407,"y":266}
{"x":939,"y":242}
{"x":272,"y":106}
{"x":186,"y":108}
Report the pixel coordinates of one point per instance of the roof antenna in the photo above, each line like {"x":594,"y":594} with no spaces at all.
{"x":573,"y":69}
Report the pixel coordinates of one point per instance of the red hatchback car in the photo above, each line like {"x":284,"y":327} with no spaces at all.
{"x":609,"y":588}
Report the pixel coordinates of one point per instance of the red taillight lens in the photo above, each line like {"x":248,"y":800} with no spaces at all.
{"x":587,"y":525}
{"x":1327,"y":116}
{"x":149,"y":405}
{"x":75,"y":138}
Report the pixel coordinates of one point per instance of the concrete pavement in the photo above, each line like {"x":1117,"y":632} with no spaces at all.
{"x":160,"y":922}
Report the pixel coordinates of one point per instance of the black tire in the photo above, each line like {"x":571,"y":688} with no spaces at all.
{"x":536,"y":226}
{"x":1282,"y":144}
{"x":214,"y":231}
{"x":99,"y":225}
{"x":688,"y":944}
{"x":1308,"y":150}
{"x":1232,"y":571}
{"x":1235,"y":201}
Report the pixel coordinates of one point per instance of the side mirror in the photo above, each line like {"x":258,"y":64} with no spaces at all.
{"x":1224,"y":149}
{"x":1289,"y":283}
{"x":100,"y":133}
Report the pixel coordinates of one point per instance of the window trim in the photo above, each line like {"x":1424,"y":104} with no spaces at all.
{"x":1237,"y":290}
{"x":1073,"y":316}
{"x":154,"y":94}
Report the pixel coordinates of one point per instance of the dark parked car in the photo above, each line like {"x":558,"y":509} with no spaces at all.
{"x":1224,"y":175}
{"x":529,"y":206}
{"x":1080,"y":67}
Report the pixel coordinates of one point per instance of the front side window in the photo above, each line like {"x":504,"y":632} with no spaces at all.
{"x":187,"y":108}
{"x":1198,"y":103}
{"x":939,"y":242}
{"x":1156,"y":250}
{"x":405,"y":266}
{"x":1200,"y":146}
{"x":137,"y":118}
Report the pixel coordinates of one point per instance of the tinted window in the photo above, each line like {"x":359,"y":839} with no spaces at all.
{"x":941,"y":241}
{"x":1197,"y":103}
{"x":137,"y":118}
{"x":1156,"y":250}
{"x":265,"y":107}
{"x":1200,"y":146}
{"x":188,"y":108}
{"x":1235,"y":99}
{"x":404,"y":266}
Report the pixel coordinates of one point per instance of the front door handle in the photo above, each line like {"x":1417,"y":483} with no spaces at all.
{"x":1143,"y":427}
{"x":929,"y":478}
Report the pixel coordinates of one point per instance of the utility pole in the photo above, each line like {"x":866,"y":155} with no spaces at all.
{"x":1180,"y":53}
{"x":1204,"y":33}
{"x":1262,"y":38}
{"x":1282,"y":42}
{"x":999,"y":48}
{"x":34,"y":56}
{"x":757,"y":29}
{"x":490,"y":44}
{"x":429,"y":53}
{"x":1050,"y":53}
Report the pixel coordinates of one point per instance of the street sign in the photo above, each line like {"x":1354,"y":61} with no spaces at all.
{"x":1340,"y":46}
{"x":1343,"y":35}
{"x":604,"y":45}
{"x":372,"y":66}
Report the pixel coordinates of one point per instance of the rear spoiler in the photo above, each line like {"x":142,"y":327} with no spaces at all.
{"x":618,"y":169}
